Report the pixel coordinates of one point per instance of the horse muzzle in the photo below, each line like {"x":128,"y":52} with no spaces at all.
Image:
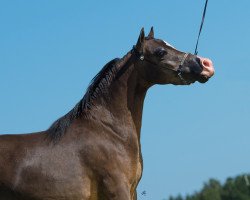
{"x":207,"y":69}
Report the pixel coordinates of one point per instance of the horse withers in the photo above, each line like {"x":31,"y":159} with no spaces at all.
{"x":94,"y":152}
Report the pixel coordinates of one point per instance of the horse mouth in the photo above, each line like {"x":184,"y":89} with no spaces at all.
{"x":203,"y":79}
{"x":199,"y":78}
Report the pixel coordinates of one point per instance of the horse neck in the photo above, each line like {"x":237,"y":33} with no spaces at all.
{"x":122,"y":108}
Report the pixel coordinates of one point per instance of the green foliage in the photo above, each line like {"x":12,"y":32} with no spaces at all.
{"x":233,"y":189}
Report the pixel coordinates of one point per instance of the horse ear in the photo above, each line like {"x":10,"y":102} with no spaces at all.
{"x":151,"y":33}
{"x":140,"y":41}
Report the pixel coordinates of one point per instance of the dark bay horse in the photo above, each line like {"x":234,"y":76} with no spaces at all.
{"x":94,"y":152}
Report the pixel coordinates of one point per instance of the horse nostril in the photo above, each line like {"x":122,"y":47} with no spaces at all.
{"x":207,"y":64}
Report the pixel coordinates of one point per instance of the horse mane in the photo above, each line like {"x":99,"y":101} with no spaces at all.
{"x":99,"y":85}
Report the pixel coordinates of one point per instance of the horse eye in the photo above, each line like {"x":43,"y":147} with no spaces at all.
{"x":160,"y":52}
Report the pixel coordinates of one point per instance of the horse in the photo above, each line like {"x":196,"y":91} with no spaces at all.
{"x":94,"y":152}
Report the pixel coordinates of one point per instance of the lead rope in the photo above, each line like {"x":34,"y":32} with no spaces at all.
{"x":201,"y":26}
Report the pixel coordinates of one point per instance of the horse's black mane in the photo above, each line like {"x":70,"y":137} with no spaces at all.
{"x":98,"y":85}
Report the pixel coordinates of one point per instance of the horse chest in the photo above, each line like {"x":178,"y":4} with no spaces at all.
{"x":137,"y":164}
{"x":139,"y":171}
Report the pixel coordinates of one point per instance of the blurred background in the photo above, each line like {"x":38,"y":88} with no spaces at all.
{"x":50,"y":51}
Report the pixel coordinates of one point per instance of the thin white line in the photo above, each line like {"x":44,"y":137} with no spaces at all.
{"x":246,"y":179}
{"x":168,"y":44}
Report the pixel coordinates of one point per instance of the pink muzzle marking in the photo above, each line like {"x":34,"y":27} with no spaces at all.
{"x":208,"y":68}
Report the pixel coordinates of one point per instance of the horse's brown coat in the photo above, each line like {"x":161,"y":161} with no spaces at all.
{"x":94,"y":152}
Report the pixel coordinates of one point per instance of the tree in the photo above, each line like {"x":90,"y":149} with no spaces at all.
{"x":237,"y":188}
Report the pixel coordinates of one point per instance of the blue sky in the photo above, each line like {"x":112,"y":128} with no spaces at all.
{"x":50,"y":50}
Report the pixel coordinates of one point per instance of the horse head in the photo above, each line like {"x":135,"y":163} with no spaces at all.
{"x":161,"y":63}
